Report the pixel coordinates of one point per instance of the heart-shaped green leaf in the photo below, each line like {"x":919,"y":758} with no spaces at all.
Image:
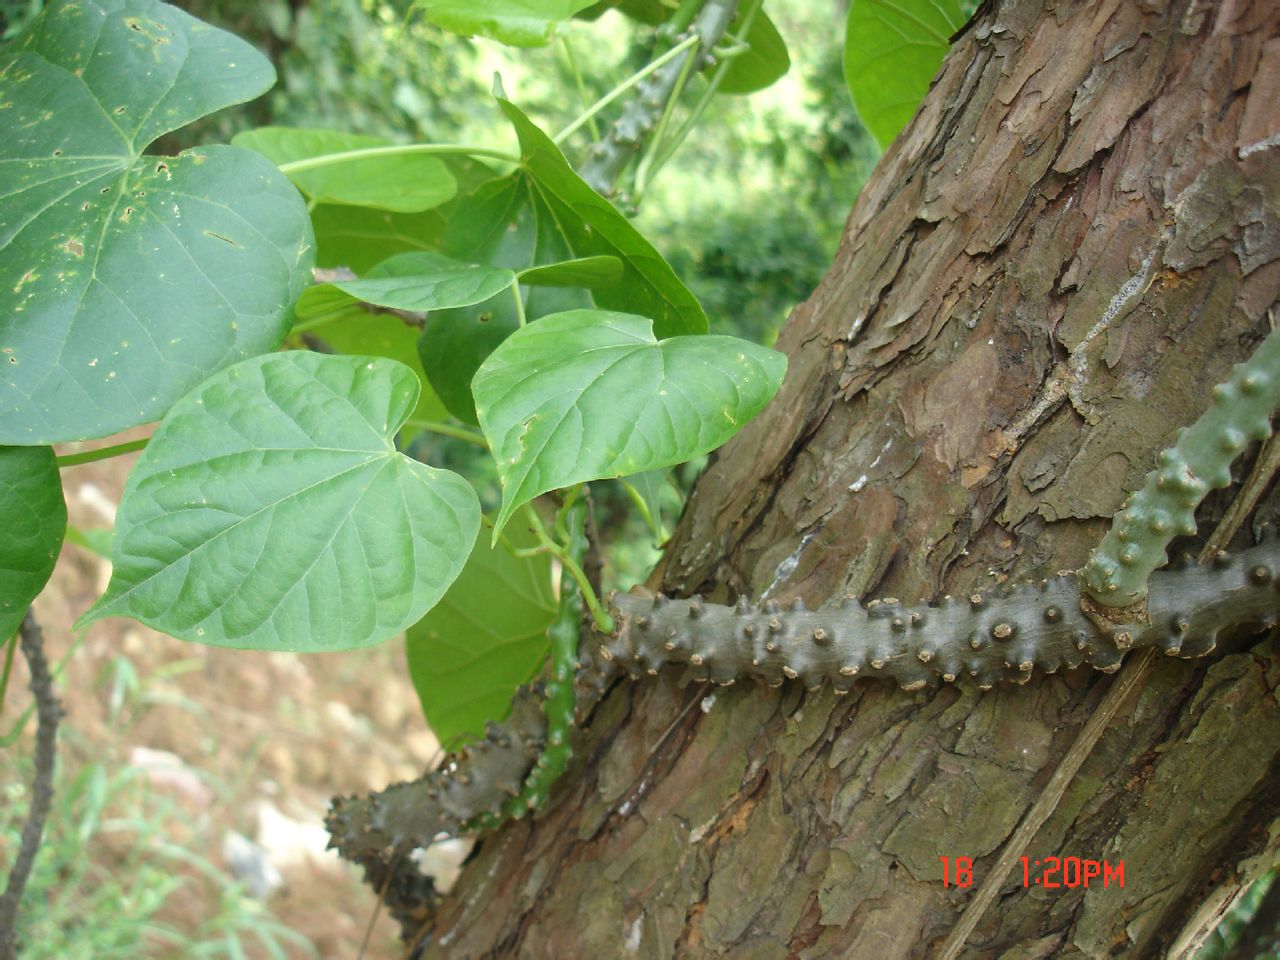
{"x":468,"y":655}
{"x":765,"y":61}
{"x":517,"y":23}
{"x":125,"y":280}
{"x":589,"y":394}
{"x":892,"y":49}
{"x":401,"y":182}
{"x":33,"y":517}
{"x":271,"y":511}
{"x":592,"y":226}
{"x":417,"y":282}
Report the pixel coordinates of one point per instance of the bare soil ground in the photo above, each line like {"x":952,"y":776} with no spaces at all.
{"x":263,"y":739}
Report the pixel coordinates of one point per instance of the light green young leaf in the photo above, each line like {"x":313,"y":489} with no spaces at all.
{"x":517,"y":23}
{"x":271,"y":511}
{"x":401,"y":182}
{"x":418,"y":282}
{"x":589,"y":394}
{"x":124,"y":279}
{"x":589,"y":272}
{"x":33,"y":517}
{"x":763,"y":64}
{"x":593,"y":226}
{"x":892,"y":50}
{"x":468,"y":655}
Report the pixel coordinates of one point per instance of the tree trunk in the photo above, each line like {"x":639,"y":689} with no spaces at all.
{"x":1075,"y":239}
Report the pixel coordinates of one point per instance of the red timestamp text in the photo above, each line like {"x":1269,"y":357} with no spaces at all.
{"x":1047,"y":873}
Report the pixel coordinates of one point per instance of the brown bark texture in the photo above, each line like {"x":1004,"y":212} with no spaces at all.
{"x":1077,"y":236}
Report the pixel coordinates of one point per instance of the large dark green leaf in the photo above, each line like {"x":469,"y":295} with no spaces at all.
{"x":892,"y":49}
{"x":592,"y":226}
{"x":402,"y":182}
{"x":589,"y":394}
{"x":506,"y":224}
{"x":33,"y":517}
{"x":485,"y":637}
{"x":125,"y":280}
{"x":360,"y":237}
{"x":763,"y":64}
{"x":517,"y":23}
{"x":271,"y":511}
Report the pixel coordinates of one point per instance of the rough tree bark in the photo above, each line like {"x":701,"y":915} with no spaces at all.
{"x":1078,"y":235}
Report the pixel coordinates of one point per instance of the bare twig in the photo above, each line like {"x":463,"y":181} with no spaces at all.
{"x":48,"y":712}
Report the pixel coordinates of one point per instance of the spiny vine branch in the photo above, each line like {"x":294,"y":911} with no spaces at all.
{"x":1116,"y":575}
{"x":610,"y":156}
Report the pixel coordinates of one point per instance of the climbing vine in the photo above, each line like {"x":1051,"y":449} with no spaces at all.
{"x":494,"y":296}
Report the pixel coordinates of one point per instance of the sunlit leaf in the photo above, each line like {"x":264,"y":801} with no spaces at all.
{"x":401,"y":182}
{"x":33,"y":517}
{"x":271,"y":511}
{"x":518,"y":23}
{"x":892,"y":50}
{"x":124,"y":279}
{"x":485,"y":637}
{"x":590,"y":394}
{"x":764,"y":63}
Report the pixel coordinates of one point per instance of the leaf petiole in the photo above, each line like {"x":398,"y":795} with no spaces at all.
{"x":394,"y":150}
{"x":600,"y":616}
{"x":587,"y":115}
{"x":454,"y":430}
{"x":515,"y":292}
{"x":105,"y":453}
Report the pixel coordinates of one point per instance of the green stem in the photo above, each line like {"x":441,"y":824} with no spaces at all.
{"x":105,"y":453}
{"x":707,"y":96}
{"x":680,"y":20}
{"x":449,"y":430}
{"x":603,"y":622}
{"x":515,"y":291}
{"x":622,"y":88}
{"x":582,"y":87}
{"x":395,"y":150}
{"x":643,"y":507}
{"x":9,"y":649}
{"x":660,"y":131}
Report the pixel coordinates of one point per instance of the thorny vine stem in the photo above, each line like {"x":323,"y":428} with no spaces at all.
{"x":48,"y":713}
{"x":1131,"y":679}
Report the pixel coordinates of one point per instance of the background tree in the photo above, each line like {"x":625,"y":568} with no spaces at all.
{"x":1074,"y":239}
